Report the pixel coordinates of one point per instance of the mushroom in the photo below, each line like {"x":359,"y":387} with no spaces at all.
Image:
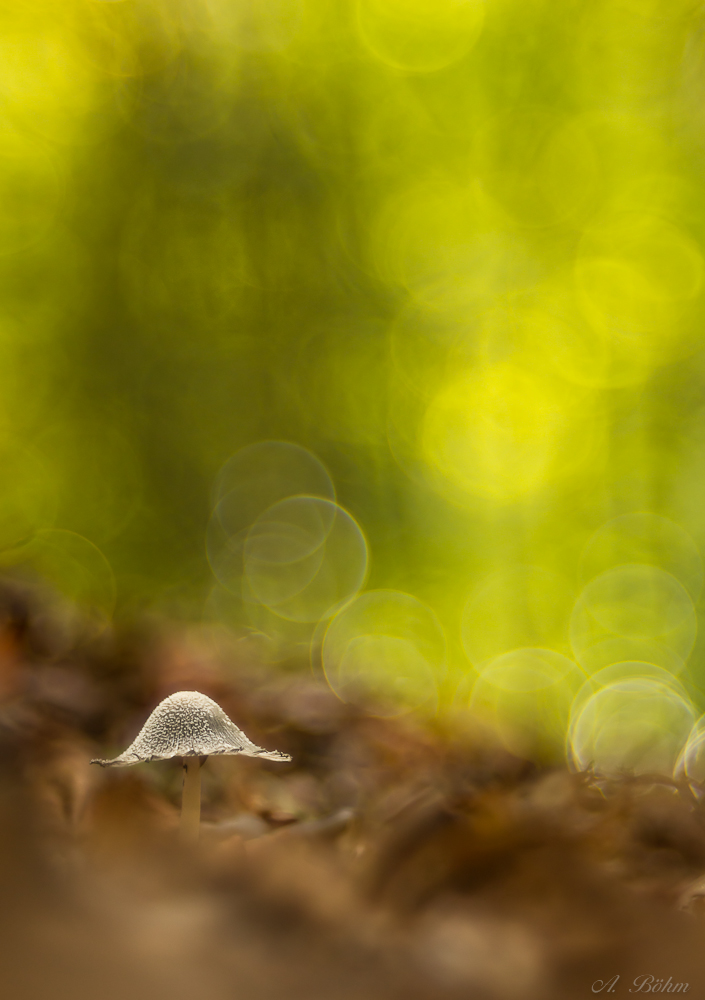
{"x":191,"y":726}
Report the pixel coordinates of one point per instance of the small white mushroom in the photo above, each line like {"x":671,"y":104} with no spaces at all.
{"x":191,"y":726}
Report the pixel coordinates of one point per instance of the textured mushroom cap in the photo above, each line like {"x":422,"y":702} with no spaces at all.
{"x":188,"y":724}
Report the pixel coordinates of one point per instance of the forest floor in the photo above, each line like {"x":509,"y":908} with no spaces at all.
{"x":390,"y":858}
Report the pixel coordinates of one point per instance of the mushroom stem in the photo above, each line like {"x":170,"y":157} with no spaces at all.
{"x":191,"y":801}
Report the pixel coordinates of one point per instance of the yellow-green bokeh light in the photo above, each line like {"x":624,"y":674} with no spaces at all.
{"x":303,"y":306}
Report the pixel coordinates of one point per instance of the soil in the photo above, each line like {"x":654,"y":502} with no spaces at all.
{"x":393,"y":857}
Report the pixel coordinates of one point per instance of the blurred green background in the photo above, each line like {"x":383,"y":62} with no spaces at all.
{"x":452,"y":249}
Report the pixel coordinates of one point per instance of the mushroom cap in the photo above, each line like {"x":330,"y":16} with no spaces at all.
{"x":188,"y":724}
